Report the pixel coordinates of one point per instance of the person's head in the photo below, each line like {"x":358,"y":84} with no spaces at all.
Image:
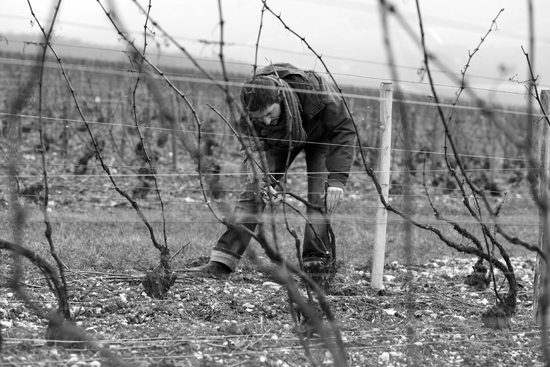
{"x":260,"y":99}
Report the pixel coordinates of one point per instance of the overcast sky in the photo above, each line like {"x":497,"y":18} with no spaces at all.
{"x":347,"y":33}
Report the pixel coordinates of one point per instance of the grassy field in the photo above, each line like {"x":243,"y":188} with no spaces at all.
{"x":100,"y":231}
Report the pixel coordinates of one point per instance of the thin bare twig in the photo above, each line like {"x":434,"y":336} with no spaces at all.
{"x":148,"y":158}
{"x":257,"y":47}
{"x":511,"y":297}
{"x":64,"y":305}
{"x":533,"y":89}
{"x":471,"y":55}
{"x":180,"y":250}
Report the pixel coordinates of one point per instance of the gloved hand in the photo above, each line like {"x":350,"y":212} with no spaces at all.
{"x":333,"y":197}
{"x":266,"y":191}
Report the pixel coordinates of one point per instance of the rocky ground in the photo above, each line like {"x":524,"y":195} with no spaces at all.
{"x":434,"y":320}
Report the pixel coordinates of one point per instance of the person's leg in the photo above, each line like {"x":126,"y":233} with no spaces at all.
{"x":316,"y":239}
{"x":234,"y":241}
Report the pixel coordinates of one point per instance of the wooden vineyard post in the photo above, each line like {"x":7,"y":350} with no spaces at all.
{"x":123,"y":120}
{"x":386,"y":96}
{"x":69,"y":107}
{"x":173,"y":133}
{"x":542,"y":269}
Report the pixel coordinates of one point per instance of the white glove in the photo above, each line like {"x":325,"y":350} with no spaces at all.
{"x":333,"y":197}
{"x":270,"y":191}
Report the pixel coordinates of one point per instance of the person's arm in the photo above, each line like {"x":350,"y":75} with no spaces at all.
{"x":341,"y":135}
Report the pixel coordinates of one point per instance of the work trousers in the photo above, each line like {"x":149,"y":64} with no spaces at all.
{"x":234,"y":241}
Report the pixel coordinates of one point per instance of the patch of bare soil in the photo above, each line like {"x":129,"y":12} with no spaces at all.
{"x":431,"y":319}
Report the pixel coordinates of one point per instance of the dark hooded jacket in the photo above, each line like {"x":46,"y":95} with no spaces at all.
{"x":324,"y":117}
